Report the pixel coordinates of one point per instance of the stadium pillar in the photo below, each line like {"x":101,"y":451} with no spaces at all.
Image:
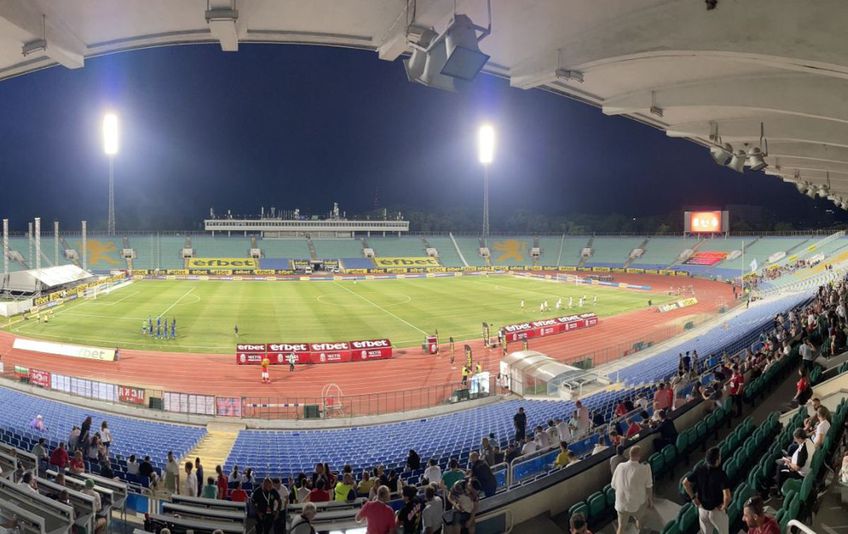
{"x":84,"y":247}
{"x":29,"y":243}
{"x":38,"y":243}
{"x":55,"y":242}
{"x":5,"y":247}
{"x":486,"y":203}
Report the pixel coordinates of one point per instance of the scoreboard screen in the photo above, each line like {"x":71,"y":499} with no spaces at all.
{"x":705,"y":222}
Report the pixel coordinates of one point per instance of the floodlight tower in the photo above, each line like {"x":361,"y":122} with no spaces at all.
{"x":110,"y":148}
{"x":486,"y":154}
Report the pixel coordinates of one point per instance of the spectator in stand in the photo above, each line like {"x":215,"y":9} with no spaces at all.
{"x":553,"y":435}
{"x":735,"y":387}
{"x":247,"y":476}
{"x":633,"y":485}
{"x":73,"y":438}
{"x":667,"y":432}
{"x":132,"y":465}
{"x":803,"y":390}
{"x":319,"y":474}
{"x":378,"y":516}
{"x":345,"y":491}
{"x":281,"y":520}
{"x":413,"y":461}
{"x":615,"y":438}
{"x":463,"y":497}
{"x":618,"y":458}
{"x":85,"y":431}
{"x":38,"y":424}
{"x":529,"y":447}
{"x":661,"y":398}
{"x":99,"y":522}
{"x":302,"y":524}
{"x":105,"y":434}
{"x":543,"y":441}
{"x":210,"y":489}
{"x":235,"y":475}
{"x":302,"y":492}
{"x":562,"y":430}
{"x":238,"y":494}
{"x":563,"y":457}
{"x":584,"y":423}
{"x":633,"y":428}
{"x":39,"y":450}
{"x":822,"y":427}
{"x":808,"y":353}
{"x":431,"y":516}
{"x":482,"y":473}
{"x":620,"y":409}
{"x":453,"y":475}
{"x":433,"y":473}
{"x":409,"y":516}
{"x":106,"y":468}
{"x":221,"y":482}
{"x":513,"y":452}
{"x":756,"y":519}
{"x":29,"y":482}
{"x":188,"y":487}
{"x":198,"y":472}
{"x":77,"y":464}
{"x":267,"y":503}
{"x":519,"y":421}
{"x":601,"y":445}
{"x":487,"y":451}
{"x":172,"y":473}
{"x":319,"y":492}
{"x":365,"y":485}
{"x":577,"y":524}
{"x":798,"y":465}
{"x":709,"y":489}
{"x":145,"y":469}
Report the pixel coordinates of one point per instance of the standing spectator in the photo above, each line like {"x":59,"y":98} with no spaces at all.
{"x":302,"y":524}
{"x":221,"y":482}
{"x":344,"y":490}
{"x":667,"y":432}
{"x":756,"y":519}
{"x":529,"y":446}
{"x":319,"y":492}
{"x":106,"y":468}
{"x":100,"y":522}
{"x":409,"y":516}
{"x":633,"y":485}
{"x":822,"y":428}
{"x":519,"y":421}
{"x":145,"y":469}
{"x":302,"y":492}
{"x":487,"y":451}
{"x":633,"y":428}
{"x":735,"y":388}
{"x":661,"y":400}
{"x":238,"y":494}
{"x":803,"y":390}
{"x":39,"y":450}
{"x":431,"y":517}
{"x":433,"y":473}
{"x":709,"y":489}
{"x":198,"y":472}
{"x":808,"y":353}
{"x":618,"y":458}
{"x":481,"y":472}
{"x":85,"y":431}
{"x":267,"y":503}
{"x":105,"y":435}
{"x":584,"y":423}
{"x":283,"y":491}
{"x":189,"y":483}
{"x":378,"y":516}
{"x":73,"y":438}
{"x":59,"y":457}
{"x":210,"y":489}
{"x":235,"y":476}
{"x":453,"y":475}
{"x":413,"y":461}
{"x":172,"y":473}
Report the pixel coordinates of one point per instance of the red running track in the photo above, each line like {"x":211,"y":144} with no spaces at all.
{"x":218,"y":374}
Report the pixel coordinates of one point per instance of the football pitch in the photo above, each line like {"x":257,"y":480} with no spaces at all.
{"x":268,"y":312}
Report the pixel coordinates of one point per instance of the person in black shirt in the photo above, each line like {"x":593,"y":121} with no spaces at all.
{"x":667,"y":431}
{"x":512,"y":452}
{"x":267,"y":503}
{"x":481,"y":472}
{"x":709,"y":489}
{"x":409,"y":516}
{"x":413,"y":461}
{"x":520,"y":423}
{"x":145,"y":468}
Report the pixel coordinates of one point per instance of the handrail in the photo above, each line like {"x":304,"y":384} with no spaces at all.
{"x":801,"y":526}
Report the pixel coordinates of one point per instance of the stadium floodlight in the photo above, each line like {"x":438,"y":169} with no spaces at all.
{"x":721,"y":154}
{"x":110,"y":134}
{"x":464,"y":58}
{"x":755,"y":161}
{"x":486,"y":144}
{"x":811,"y":192}
{"x":737,"y":161}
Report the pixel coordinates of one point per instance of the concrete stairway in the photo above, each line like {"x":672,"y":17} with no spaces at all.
{"x":215,"y":446}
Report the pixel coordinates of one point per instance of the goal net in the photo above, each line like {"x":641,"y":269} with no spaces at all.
{"x":91,"y":293}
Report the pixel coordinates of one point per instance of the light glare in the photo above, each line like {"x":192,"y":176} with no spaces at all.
{"x":110,"y":134}
{"x":486,"y":144}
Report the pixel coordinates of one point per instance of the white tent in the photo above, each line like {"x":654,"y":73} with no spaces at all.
{"x":532,"y":373}
{"x":34,"y":280}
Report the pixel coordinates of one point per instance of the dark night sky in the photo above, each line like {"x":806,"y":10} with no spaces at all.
{"x":294,"y":126}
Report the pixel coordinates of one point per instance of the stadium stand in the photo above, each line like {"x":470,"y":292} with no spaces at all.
{"x":572,"y":248}
{"x":400,"y":247}
{"x":660,"y":252}
{"x":470,"y":248}
{"x":551,"y":248}
{"x":612,"y":251}
{"x":338,"y":248}
{"x":447,"y":252}
{"x":295,"y":248}
{"x":512,"y":250}
{"x":220,"y":246}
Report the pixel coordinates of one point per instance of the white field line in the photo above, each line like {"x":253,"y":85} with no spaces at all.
{"x":176,"y":302}
{"x":120,"y":300}
{"x":384,"y":310}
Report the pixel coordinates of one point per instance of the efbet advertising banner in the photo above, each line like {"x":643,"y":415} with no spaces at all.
{"x":326,"y":352}
{"x":548,"y":327}
{"x":234,"y":264}
{"x":421,"y":261}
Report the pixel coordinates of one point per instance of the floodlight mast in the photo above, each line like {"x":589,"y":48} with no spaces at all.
{"x":486,"y":154}
{"x":110,"y":148}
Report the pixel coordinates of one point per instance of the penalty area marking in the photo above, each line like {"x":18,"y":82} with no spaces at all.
{"x":384,"y":310}
{"x":176,"y":302}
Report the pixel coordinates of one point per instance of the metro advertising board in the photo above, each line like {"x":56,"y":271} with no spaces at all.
{"x":326,"y":352}
{"x":549,"y":327}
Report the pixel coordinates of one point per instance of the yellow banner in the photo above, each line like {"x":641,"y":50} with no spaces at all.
{"x":422,"y":261}
{"x":265,"y":272}
{"x":601,"y":269}
{"x":236,"y":264}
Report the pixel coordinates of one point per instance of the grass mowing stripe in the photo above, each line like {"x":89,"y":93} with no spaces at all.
{"x":384,"y":310}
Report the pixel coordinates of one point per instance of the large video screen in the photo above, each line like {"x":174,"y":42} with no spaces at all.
{"x":698,"y":222}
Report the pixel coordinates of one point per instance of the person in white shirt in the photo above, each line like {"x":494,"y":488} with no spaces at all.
{"x":543,"y":441}
{"x":601,"y":445}
{"x":105,"y":434}
{"x":28,"y":481}
{"x":132,"y":465}
{"x":562,"y":430}
{"x":529,"y":447}
{"x":553,"y":434}
{"x":584,"y":423}
{"x":433,"y":473}
{"x":633,"y":485}
{"x":822,"y":427}
{"x":798,"y":465}
{"x":431,"y":517}
{"x":100,"y":522}
{"x":188,"y":485}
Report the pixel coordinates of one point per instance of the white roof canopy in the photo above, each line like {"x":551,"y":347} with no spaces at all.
{"x":50,"y":277}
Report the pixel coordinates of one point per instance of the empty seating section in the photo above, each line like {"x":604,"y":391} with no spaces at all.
{"x":447,"y":252}
{"x":338,"y":248}
{"x":397,"y":247}
{"x":720,"y":244}
{"x":221,"y":247}
{"x":511,"y":250}
{"x":550,"y":250}
{"x":470,"y":247}
{"x":574,"y":245}
{"x":764,"y":247}
{"x":130,"y":436}
{"x":612,"y":251}
{"x":660,"y":252}
{"x":295,"y":248}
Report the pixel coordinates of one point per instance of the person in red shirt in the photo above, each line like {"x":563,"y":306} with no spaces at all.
{"x":755,"y":517}
{"x":735,"y":387}
{"x":378,"y":516}
{"x":59,"y":457}
{"x":661,"y":398}
{"x":221,"y":482}
{"x":238,"y":494}
{"x":318,"y":493}
{"x":633,"y":428}
{"x":77,"y":464}
{"x":803,"y":392}
{"x":620,"y":409}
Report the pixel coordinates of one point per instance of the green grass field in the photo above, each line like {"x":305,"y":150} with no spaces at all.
{"x":401,"y":310}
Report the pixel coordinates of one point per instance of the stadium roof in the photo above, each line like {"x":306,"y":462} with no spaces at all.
{"x":48,"y":277}
{"x":672,"y":64}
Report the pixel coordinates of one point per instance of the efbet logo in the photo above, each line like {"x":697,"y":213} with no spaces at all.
{"x":222,"y":263}
{"x":422,"y":261}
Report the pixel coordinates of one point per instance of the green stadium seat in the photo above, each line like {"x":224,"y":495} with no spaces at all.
{"x":579,"y":508}
{"x":609,"y":493}
{"x":597,"y":507}
{"x":670,"y":527}
{"x":682,"y":444}
{"x":669,"y":454}
{"x":687,"y":519}
{"x":657,"y":465}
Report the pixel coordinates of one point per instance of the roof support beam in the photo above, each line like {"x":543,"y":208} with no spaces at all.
{"x":784,"y":129}
{"x":24,"y":21}
{"x":222,"y":18}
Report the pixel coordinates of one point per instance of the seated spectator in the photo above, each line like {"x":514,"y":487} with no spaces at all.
{"x":344,"y":490}
{"x":409,"y":516}
{"x":132,"y":465}
{"x":59,"y":457}
{"x":618,"y":458}
{"x":28,"y":481}
{"x":601,"y":445}
{"x":482,"y":473}
{"x":365,"y":485}
{"x":100,"y":522}
{"x":542,"y":439}
{"x":38,"y":424}
{"x":318,"y":493}
{"x":302,"y":524}
{"x":563,"y":457}
{"x":433,"y":473}
{"x":620,"y":409}
{"x":239,"y":495}
{"x":77,"y":464}
{"x":513,"y":452}
{"x":145,"y":469}
{"x":529,"y":447}
{"x":210,"y":489}
{"x":453,"y":475}
{"x":667,"y":431}
{"x":302,"y":490}
{"x":106,"y":469}
{"x":798,"y":464}
{"x":553,"y":436}
{"x":633,"y":428}
{"x":413,"y":461}
{"x":822,"y":427}
{"x":756,"y":519}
